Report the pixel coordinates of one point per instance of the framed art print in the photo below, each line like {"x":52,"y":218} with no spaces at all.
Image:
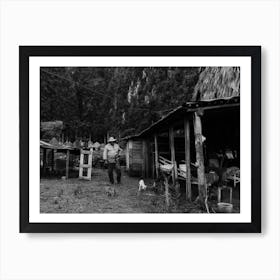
{"x":140,"y":138}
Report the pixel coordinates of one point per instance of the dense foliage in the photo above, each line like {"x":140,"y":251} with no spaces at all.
{"x":120,"y":101}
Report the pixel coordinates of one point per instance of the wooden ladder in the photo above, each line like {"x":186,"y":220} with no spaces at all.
{"x":84,"y":165}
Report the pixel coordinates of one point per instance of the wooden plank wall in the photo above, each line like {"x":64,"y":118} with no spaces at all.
{"x":135,"y":150}
{"x":140,"y":158}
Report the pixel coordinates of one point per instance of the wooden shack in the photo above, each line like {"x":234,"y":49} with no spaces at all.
{"x":196,"y":136}
{"x":191,"y":137}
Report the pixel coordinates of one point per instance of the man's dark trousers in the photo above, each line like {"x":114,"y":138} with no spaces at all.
{"x":111,"y":167}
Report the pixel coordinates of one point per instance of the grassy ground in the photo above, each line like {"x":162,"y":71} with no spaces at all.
{"x":79,"y":196}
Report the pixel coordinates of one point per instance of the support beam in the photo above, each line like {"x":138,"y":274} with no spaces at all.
{"x":147,"y":157}
{"x":44,"y":161}
{"x":81,"y":169}
{"x":67,"y":164}
{"x":199,"y":156}
{"x":172,"y":150}
{"x":153,"y":167}
{"x":156,"y":155}
{"x":52,"y":151}
{"x":166,"y":190}
{"x":127,"y":155}
{"x":144,"y":159}
{"x":187,"y":158}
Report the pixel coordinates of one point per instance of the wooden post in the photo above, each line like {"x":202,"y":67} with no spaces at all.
{"x":199,"y":156}
{"x":219,"y":194}
{"x":187,"y":158}
{"x":153,"y":167}
{"x":144,"y":158}
{"x":166,"y":186}
{"x":147,"y":158}
{"x":52,"y":151}
{"x":156,"y":154}
{"x":230,"y":195}
{"x":81,"y":169}
{"x":44,"y":161}
{"x":172,"y":150}
{"x":67,"y":163}
{"x":127,"y":156}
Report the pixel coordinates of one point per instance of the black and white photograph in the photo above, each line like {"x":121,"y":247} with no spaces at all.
{"x":140,"y":135}
{"x":140,"y":139}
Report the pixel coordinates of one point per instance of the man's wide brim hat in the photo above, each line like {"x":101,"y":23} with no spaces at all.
{"x":112,"y":139}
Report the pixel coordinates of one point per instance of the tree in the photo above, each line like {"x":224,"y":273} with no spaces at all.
{"x":94,"y":101}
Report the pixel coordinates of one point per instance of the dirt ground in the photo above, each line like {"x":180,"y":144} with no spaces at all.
{"x":80,"y":196}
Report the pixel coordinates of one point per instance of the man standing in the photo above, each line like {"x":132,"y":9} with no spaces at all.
{"x":111,"y":157}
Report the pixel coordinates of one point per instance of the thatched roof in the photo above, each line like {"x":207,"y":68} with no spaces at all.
{"x":217,"y":83}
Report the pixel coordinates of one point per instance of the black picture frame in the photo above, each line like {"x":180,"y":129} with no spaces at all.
{"x":25,"y":52}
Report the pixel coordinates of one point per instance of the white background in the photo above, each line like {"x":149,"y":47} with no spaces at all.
{"x":142,"y":256}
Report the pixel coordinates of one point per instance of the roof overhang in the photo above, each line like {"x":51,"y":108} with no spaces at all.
{"x":186,"y":109}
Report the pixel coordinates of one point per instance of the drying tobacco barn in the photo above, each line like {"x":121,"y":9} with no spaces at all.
{"x":196,"y":138}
